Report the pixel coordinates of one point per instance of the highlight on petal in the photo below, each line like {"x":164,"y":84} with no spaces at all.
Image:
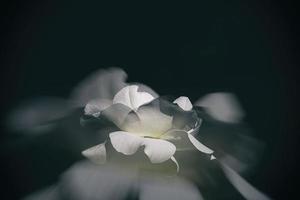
{"x":148,"y":122}
{"x":201,"y":147}
{"x":222,"y":106}
{"x":131,"y":97}
{"x":245,"y":188}
{"x":96,"y":154}
{"x":95,"y":106}
{"x":158,"y":150}
{"x":125,"y":142}
{"x":184,"y":103}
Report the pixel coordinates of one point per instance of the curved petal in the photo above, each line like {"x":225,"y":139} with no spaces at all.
{"x":185,"y":141}
{"x":184,"y":103}
{"x":96,"y":154}
{"x":130,"y":97}
{"x":125,"y":142}
{"x":175,"y":161}
{"x":95,"y":106}
{"x":201,"y":147}
{"x":158,"y":150}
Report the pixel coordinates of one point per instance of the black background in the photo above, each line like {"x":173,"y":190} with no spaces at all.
{"x":246,"y":47}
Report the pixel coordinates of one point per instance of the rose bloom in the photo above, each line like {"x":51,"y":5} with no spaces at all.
{"x":143,"y":124}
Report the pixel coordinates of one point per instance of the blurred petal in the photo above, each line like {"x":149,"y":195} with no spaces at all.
{"x":222,"y":106}
{"x":96,"y":154}
{"x":131,"y":97}
{"x":125,"y":142}
{"x":184,"y":103}
{"x":102,"y":84}
{"x":95,"y":106}
{"x":155,"y":188}
{"x":158,"y":150}
{"x":245,"y":188}
{"x":38,"y":115}
{"x":85,"y":181}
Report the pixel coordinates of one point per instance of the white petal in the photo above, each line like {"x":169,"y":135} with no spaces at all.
{"x":95,"y":106}
{"x":131,"y":97}
{"x":175,"y":161}
{"x":212,"y":157}
{"x":151,"y":122}
{"x":184,"y":103}
{"x":222,"y":106}
{"x":125,"y":142}
{"x":245,"y":188}
{"x":158,"y":150}
{"x":201,"y":147}
{"x":96,"y":154}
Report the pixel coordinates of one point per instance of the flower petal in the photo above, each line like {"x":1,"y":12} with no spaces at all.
{"x":131,"y":97}
{"x":222,"y":106}
{"x":148,"y":121}
{"x":185,"y":141}
{"x":201,"y":147}
{"x":158,"y":150}
{"x":184,"y":103}
{"x":95,"y":106}
{"x":174,"y":188}
{"x":125,"y":142}
{"x":104,"y":84}
{"x":175,"y":161}
{"x":116,"y":113}
{"x":245,"y":188}
{"x":96,"y":154}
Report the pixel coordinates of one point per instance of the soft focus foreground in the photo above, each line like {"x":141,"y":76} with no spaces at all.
{"x":142,"y":145}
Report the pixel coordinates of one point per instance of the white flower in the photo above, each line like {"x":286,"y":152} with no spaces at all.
{"x":142,"y":124}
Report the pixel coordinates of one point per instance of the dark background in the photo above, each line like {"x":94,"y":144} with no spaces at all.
{"x":249,"y":48}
